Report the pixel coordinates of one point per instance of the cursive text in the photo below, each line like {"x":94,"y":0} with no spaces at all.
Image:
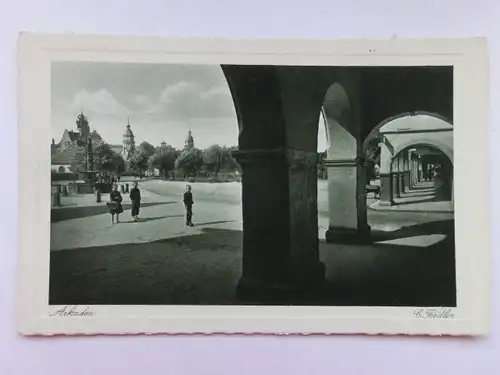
{"x":73,"y":311}
{"x":433,"y":313}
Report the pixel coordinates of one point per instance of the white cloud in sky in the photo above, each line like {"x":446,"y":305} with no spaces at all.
{"x":100,"y":102}
{"x":179,"y":91}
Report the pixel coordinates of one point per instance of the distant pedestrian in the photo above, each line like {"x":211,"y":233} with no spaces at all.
{"x":188,"y":203}
{"x":135,"y":197}
{"x":115,"y":204}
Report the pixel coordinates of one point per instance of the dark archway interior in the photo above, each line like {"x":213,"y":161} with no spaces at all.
{"x":436,"y":172}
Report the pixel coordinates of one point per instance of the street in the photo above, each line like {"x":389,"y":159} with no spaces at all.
{"x":161,"y":261}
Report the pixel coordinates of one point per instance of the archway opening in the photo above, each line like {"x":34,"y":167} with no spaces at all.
{"x":431,"y":175}
{"x":429,"y":136}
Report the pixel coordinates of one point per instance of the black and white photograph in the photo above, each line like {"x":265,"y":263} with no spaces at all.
{"x":253,"y":185}
{"x":343,"y":196}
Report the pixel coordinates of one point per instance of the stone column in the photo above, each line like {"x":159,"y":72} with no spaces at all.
{"x":279,"y":192}
{"x":395,"y":179}
{"x":280,"y":220}
{"x":386,"y":185}
{"x":401,"y":174}
{"x":412,"y":170}
{"x":386,"y":189}
{"x":406,"y":171}
{"x":417,"y":170}
{"x":346,"y":187}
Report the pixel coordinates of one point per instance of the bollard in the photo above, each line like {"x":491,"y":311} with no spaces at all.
{"x":56,"y":199}
{"x":123,"y":189}
{"x":98,"y":196}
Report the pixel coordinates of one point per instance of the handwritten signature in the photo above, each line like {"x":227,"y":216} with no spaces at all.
{"x":73,"y":311}
{"x":433,"y":313}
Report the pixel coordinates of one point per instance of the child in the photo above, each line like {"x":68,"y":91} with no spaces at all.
{"x":188,"y":203}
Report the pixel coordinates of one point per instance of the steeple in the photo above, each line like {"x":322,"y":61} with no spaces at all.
{"x":189,"y":143}
{"x":128,"y":147}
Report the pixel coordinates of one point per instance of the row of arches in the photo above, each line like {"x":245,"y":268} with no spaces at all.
{"x":278,"y":111}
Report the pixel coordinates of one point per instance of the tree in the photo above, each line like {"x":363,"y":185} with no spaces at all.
{"x":230,"y":162}
{"x":372,"y":155}
{"x":139,"y":161}
{"x":78,"y":162}
{"x":118,"y":163}
{"x":163,"y":159}
{"x":213,"y":158}
{"x":189,"y":161}
{"x":147,"y":148}
{"x":321,"y":165}
{"x":105,"y":158}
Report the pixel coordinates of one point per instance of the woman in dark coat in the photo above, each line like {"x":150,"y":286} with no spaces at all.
{"x":115,"y":204}
{"x":135,"y":197}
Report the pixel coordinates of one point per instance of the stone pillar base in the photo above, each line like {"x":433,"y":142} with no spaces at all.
{"x":349,"y":235}
{"x":283,"y":292}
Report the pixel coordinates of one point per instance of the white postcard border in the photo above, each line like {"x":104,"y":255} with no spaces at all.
{"x":470,"y":61}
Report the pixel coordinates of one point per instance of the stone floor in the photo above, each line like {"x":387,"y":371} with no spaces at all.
{"x":161,"y":261}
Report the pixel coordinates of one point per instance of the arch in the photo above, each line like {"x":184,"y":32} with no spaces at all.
{"x":338,"y":120}
{"x":443,"y":149}
{"x":420,"y":129}
{"x":386,"y":159}
{"x":392,"y":119}
{"x":428,"y":142}
{"x":61,"y":169}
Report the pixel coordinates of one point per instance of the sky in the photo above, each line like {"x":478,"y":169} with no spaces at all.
{"x":161,"y":101}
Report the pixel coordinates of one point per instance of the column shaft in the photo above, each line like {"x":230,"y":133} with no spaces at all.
{"x":347,"y":202}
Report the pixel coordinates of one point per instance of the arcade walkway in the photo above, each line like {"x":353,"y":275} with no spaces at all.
{"x":422,"y":198}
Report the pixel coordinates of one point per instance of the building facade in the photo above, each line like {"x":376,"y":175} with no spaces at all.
{"x":63,"y":153}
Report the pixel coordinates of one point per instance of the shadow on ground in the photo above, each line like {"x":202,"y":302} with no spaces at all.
{"x":68,"y":213}
{"x":415,"y":200}
{"x":204,"y":269}
{"x":445,"y":227}
{"x":146,"y":219}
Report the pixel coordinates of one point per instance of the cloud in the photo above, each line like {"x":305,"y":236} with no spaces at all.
{"x":185,"y":100}
{"x":179,"y":91}
{"x":141,"y":100}
{"x":181,"y":101}
{"x":215,"y":92}
{"x":100,"y":102}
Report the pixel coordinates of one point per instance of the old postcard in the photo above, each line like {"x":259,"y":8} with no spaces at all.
{"x":252,"y":186}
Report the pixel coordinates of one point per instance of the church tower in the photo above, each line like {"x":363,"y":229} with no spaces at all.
{"x":82,"y":124}
{"x":128,"y":146}
{"x":189,"y":142}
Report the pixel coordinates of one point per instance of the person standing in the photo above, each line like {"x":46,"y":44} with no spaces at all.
{"x":115,"y":204}
{"x":135,"y":197}
{"x":188,"y":203}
